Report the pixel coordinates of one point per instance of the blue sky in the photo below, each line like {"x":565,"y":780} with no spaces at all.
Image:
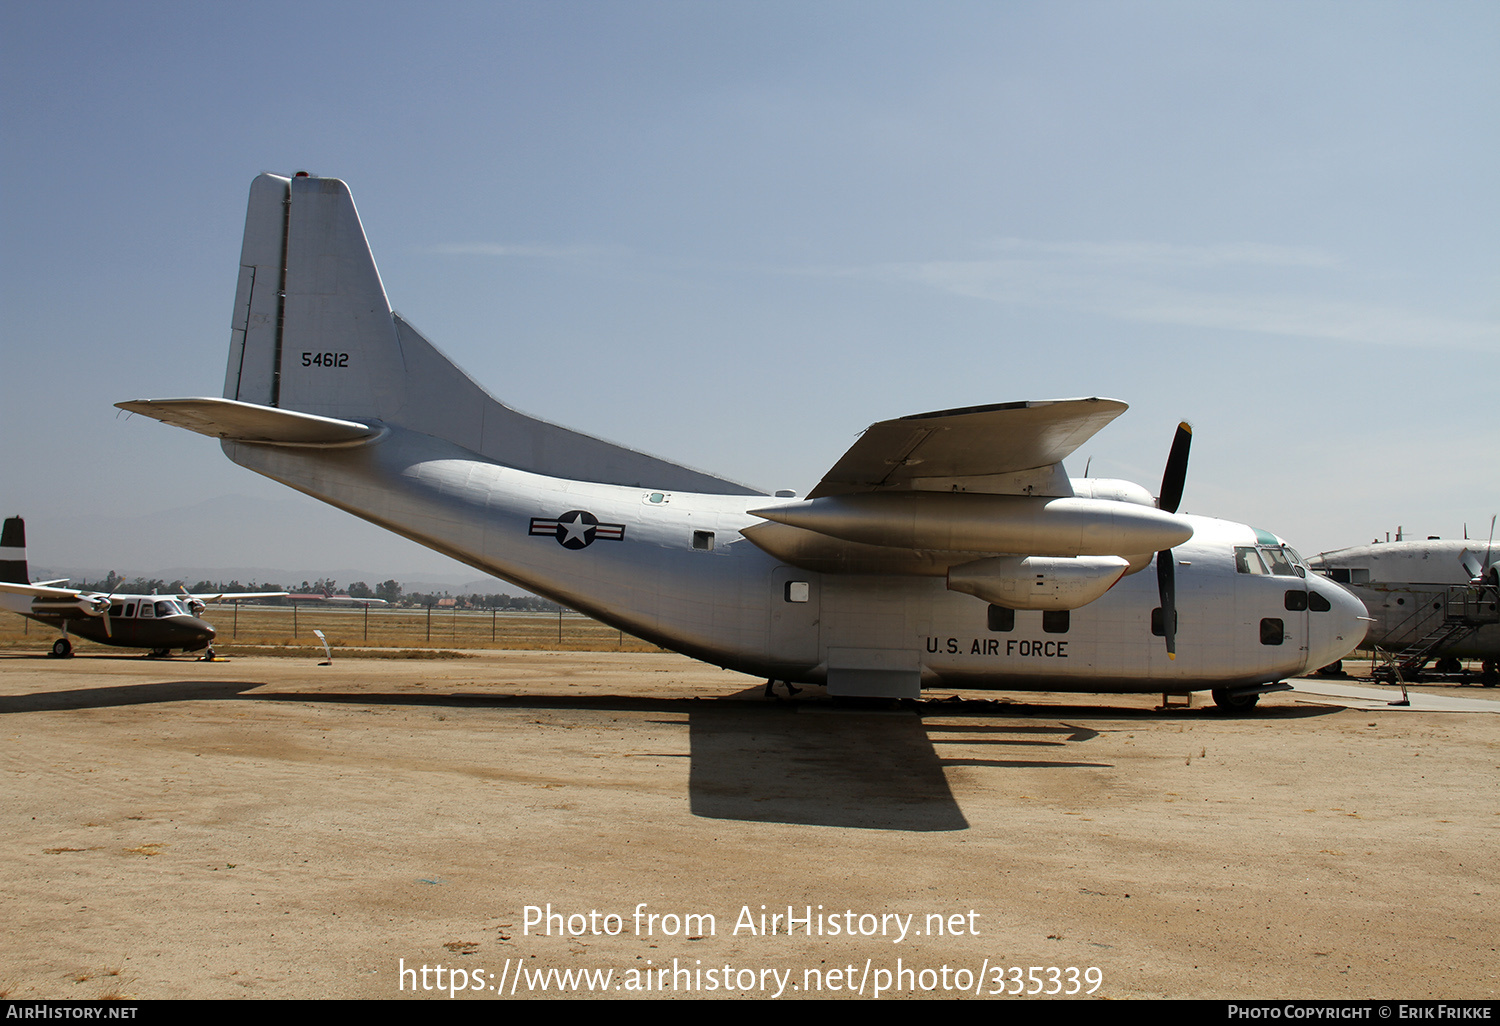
{"x":734,"y":234}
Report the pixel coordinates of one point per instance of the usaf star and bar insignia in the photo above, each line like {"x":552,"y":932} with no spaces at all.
{"x":576,"y":529}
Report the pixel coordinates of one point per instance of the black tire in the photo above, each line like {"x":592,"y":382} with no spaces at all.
{"x":62,"y":648}
{"x":1230,"y":702}
{"x":160,"y":653}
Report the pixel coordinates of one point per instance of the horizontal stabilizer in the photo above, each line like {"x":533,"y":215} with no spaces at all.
{"x":246,"y":422}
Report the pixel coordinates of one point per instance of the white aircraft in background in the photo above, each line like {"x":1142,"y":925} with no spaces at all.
{"x":1429,"y":599}
{"x":944,"y":549}
{"x":156,"y":622}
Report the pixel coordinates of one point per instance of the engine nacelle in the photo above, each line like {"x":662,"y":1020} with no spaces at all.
{"x":1038,"y":582}
{"x":80,"y":605}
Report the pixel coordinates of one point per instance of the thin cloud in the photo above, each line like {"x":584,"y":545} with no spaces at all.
{"x":1236,"y":287}
{"x":1159,"y":254}
{"x":498,"y":249}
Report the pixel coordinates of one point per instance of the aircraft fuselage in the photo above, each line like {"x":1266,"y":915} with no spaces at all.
{"x":674,"y":568}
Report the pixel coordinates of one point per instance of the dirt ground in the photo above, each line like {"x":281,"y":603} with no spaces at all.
{"x":377,"y":829}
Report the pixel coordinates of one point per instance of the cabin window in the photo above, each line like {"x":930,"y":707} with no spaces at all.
{"x":1271,"y":631}
{"x":703,"y":541}
{"x":146,"y":609}
{"x":798,"y":591}
{"x":1056,"y":621}
{"x":1317,"y":603}
{"x":1002,"y":619}
{"x":1157,"y":622}
{"x":130,"y":609}
{"x":1296,"y":601}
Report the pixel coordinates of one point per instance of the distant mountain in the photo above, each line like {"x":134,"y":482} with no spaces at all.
{"x":234,"y":537}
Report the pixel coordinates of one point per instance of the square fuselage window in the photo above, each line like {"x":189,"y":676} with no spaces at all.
{"x":1002,"y":619}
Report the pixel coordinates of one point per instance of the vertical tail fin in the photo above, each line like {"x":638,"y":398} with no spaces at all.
{"x":314,"y":333}
{"x":13,"y":552}
{"x":312,"y":328}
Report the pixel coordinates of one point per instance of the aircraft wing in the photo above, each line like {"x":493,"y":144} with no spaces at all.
{"x":42,"y":591}
{"x":952,"y":448}
{"x":246,"y":422}
{"x":234,"y":596}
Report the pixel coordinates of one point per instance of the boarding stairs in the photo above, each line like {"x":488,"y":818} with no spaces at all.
{"x":1465,"y":609}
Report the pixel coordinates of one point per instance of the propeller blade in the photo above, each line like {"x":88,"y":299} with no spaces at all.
{"x":1176,"y":473}
{"x":1172,"y":480}
{"x":1166,"y":586}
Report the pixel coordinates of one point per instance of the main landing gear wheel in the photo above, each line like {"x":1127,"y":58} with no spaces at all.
{"x":62,"y":648}
{"x":160,"y":653}
{"x":1230,"y":702}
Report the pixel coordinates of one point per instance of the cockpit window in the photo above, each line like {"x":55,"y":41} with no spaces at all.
{"x":1247,"y":561}
{"x":1284,"y":561}
{"x":1280,"y":565}
{"x":1279,"y":560}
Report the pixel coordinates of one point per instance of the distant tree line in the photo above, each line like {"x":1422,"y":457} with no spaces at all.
{"x":390,"y":591}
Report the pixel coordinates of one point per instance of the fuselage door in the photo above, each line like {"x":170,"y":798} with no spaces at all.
{"x":795,"y":614}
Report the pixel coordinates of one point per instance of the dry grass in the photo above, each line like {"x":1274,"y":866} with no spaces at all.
{"x":383,"y":633}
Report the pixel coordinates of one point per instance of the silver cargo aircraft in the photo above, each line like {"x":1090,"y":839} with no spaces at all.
{"x":1429,"y":599}
{"x":944,"y":549}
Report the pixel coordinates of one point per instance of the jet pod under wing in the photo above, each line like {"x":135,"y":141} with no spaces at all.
{"x":925,"y":495}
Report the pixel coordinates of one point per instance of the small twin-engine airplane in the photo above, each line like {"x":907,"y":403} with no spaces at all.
{"x":156,"y":622}
{"x":944,"y":549}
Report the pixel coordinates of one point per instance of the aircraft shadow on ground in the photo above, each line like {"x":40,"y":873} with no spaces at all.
{"x":807,"y":763}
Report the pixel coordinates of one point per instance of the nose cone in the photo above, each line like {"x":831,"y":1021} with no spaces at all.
{"x":1336,"y":633}
{"x":191,"y":633}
